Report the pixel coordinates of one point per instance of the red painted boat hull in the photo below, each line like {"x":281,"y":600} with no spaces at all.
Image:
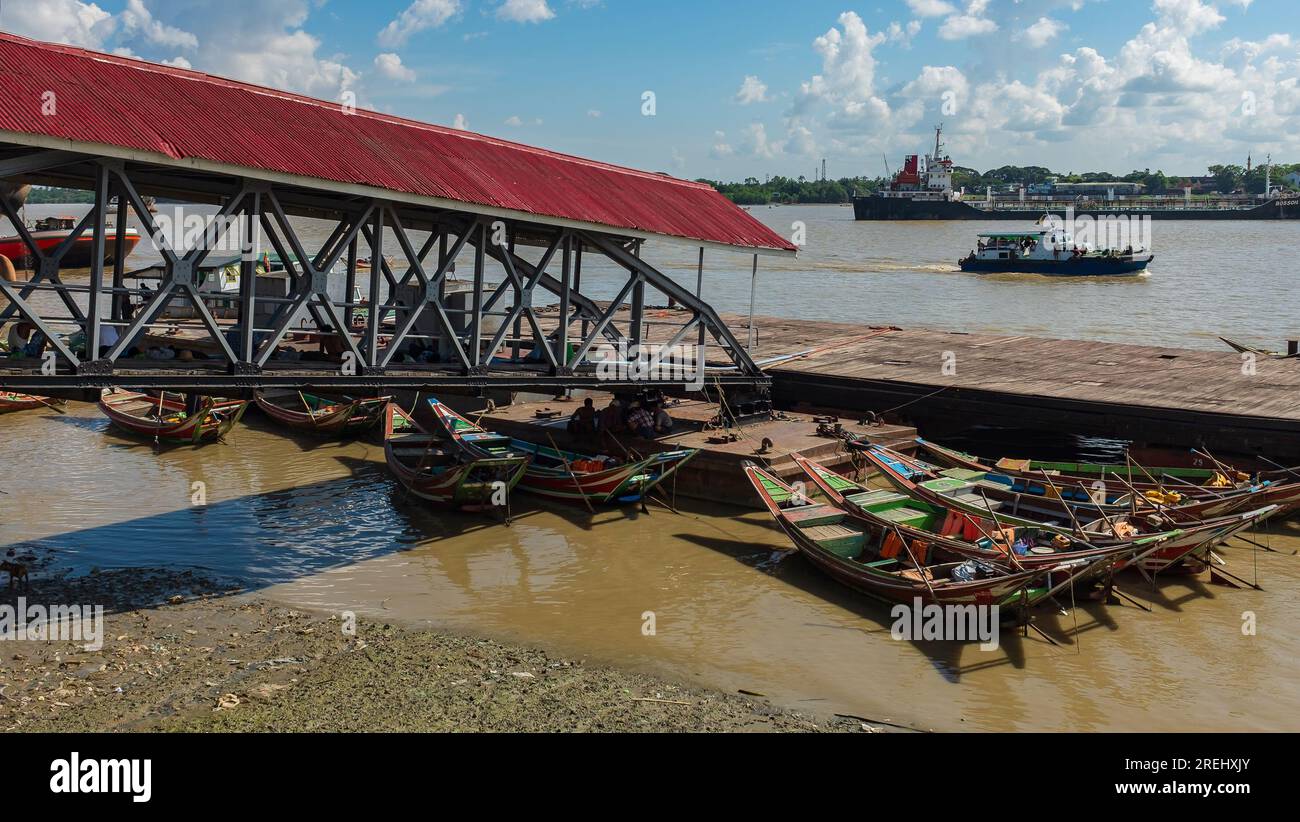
{"x":78,"y":256}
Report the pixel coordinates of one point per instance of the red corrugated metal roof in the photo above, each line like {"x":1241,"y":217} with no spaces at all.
{"x":187,"y":115}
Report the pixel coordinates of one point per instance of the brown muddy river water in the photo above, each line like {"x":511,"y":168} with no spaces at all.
{"x":321,"y":525}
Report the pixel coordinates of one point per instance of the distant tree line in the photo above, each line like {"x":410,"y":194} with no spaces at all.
{"x":1227,"y":179}
{"x":779,"y":189}
{"x":42,"y":194}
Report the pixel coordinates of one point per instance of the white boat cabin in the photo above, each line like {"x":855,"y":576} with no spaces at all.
{"x":1039,"y":244}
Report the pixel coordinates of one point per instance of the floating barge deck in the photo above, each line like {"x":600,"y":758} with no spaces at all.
{"x":945,"y":382}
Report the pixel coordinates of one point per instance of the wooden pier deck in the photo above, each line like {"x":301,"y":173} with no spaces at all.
{"x":1154,"y":396}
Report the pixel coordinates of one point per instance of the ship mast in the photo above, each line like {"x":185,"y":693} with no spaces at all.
{"x":938,"y":146}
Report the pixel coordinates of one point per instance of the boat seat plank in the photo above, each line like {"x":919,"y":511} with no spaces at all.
{"x":806,"y":515}
{"x":875,"y":497}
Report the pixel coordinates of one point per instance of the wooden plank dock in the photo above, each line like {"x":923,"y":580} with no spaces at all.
{"x":946,"y":382}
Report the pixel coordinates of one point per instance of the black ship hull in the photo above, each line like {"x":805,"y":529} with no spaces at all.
{"x":902,"y":208}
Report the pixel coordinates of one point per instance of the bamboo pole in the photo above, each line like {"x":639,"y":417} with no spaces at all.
{"x":572,"y":475}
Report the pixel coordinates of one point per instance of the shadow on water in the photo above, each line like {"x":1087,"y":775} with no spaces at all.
{"x":944,"y":656}
{"x":264,"y":539}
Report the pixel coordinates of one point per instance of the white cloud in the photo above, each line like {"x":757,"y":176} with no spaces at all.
{"x":800,"y":141}
{"x":390,"y":65}
{"x":931,"y":8}
{"x":1158,"y":98}
{"x":266,"y":42}
{"x":61,"y":21}
{"x":1190,"y":17}
{"x":897,"y":33}
{"x":1249,"y":50}
{"x":969,"y":24}
{"x":524,"y":11}
{"x":137,"y":21}
{"x":514,"y":121}
{"x":460,"y":122}
{"x":721,"y":148}
{"x":1042,"y":32}
{"x":847,"y":81}
{"x":758,"y":143}
{"x":420,"y":15}
{"x":593,"y":113}
{"x":752,"y":90}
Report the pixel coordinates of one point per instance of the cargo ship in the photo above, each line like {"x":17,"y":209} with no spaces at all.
{"x":923,"y":190}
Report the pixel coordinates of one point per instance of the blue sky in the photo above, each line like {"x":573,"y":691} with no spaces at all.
{"x":754,"y":88}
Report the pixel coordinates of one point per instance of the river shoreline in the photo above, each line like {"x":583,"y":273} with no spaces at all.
{"x":182,"y":652}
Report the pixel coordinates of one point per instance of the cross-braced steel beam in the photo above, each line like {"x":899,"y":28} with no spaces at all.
{"x":424,"y":326}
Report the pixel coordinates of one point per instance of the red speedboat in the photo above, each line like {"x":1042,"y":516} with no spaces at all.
{"x":51,"y":231}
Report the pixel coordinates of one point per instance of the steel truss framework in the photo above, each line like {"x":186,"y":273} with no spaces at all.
{"x":369,"y":359}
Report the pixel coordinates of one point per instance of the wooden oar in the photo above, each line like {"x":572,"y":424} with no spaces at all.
{"x":572,"y":475}
{"x":1204,"y":488}
{"x":1227,"y":470}
{"x":631,"y":455}
{"x":1011,"y":551}
{"x":1069,"y":509}
{"x":1160,"y":509}
{"x":1101,"y":510}
{"x":1277,"y":465}
{"x":310,"y":412}
{"x":919,"y":568}
{"x":49,"y":405}
{"x":1148,"y":473}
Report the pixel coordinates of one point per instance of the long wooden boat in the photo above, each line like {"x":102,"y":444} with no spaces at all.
{"x":856,"y":553}
{"x":322,"y":416}
{"x":163,"y":418}
{"x":946,"y":530}
{"x":1168,"y":486}
{"x":464,"y":433}
{"x":1053,"y":497}
{"x":975,"y":494}
{"x":14,"y":401}
{"x":558,"y":474}
{"x":443,"y":473}
{"x":569,"y":476}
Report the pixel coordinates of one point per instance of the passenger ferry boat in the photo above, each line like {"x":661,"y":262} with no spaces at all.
{"x":1052,"y":251}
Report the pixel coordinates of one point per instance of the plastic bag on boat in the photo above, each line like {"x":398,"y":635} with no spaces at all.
{"x":968,"y":571}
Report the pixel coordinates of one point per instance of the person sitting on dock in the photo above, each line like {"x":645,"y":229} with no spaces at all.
{"x":640,"y":422}
{"x":583,"y":421}
{"x":19,"y":333}
{"x":331,"y":343}
{"x":663,"y":421}
{"x":611,"y":419}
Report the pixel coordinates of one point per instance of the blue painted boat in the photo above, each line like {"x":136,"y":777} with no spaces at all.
{"x":1050,"y":251}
